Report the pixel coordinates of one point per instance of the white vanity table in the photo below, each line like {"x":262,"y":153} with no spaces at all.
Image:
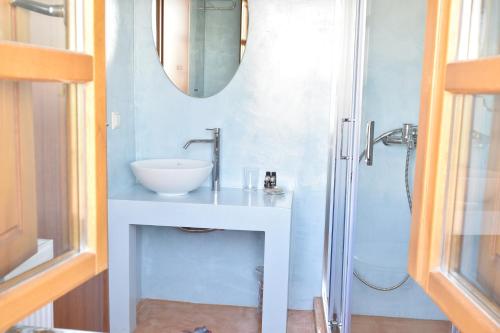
{"x":230,"y":209}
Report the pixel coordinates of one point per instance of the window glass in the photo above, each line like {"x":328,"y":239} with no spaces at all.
{"x":480,"y":29}
{"x":474,"y":191}
{"x":38,"y":176}
{"x":41,"y":23}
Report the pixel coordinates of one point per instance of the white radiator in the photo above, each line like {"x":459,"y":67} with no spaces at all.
{"x":44,"y":317}
{"x":41,"y":318}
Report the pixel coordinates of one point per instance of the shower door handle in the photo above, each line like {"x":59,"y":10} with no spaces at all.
{"x":342,"y":126}
{"x":370,"y":128}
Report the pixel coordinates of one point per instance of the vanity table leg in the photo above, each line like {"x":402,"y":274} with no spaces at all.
{"x":276,"y":269}
{"x":122,"y":273}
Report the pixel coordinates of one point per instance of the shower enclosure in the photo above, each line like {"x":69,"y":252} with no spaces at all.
{"x":374,"y":133}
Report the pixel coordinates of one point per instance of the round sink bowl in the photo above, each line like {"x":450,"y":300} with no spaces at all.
{"x":171,"y":176}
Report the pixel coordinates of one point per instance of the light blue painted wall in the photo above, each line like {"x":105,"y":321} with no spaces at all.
{"x":391,"y":98}
{"x":120,"y":92}
{"x":274,"y":114}
{"x":217,"y":279}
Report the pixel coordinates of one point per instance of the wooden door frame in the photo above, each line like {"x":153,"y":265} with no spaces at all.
{"x":442,"y":77}
{"x":26,"y":62}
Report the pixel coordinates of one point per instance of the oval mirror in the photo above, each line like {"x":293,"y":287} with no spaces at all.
{"x":200,"y":43}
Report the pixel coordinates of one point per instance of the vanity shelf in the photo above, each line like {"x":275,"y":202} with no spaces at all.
{"x":229,"y":209}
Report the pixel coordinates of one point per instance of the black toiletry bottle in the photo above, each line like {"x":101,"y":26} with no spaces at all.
{"x":267,"y":180}
{"x":273,"y":179}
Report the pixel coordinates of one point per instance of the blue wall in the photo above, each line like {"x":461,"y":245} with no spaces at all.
{"x":120,"y":92}
{"x":205,"y":271}
{"x":274,"y":114}
{"x":395,"y":41}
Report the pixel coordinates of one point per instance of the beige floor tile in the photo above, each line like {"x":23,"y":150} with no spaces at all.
{"x":370,"y":324}
{"x":155,"y":316}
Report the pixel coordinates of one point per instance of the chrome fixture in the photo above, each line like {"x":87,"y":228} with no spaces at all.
{"x":215,"y":172}
{"x":370,"y":128}
{"x":215,"y":155}
{"x":39,"y":7}
{"x":406,"y":135}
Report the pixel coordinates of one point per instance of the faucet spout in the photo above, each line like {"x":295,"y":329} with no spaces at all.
{"x":187,"y":144}
{"x":215,"y":155}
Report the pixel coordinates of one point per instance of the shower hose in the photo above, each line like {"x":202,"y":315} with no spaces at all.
{"x":410,"y":205}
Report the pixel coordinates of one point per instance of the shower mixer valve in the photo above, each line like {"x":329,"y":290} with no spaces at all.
{"x":406,"y":135}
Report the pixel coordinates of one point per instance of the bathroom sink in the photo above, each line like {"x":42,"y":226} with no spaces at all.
{"x":171,"y":176}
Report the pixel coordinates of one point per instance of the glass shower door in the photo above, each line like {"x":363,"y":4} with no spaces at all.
{"x":340,"y":234}
{"x":343,"y":164}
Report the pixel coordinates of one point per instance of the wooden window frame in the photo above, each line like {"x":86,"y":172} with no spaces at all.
{"x":30,"y":63}
{"x":442,"y":76}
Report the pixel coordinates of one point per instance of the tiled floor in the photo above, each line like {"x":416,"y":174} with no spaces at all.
{"x":154,"y":316}
{"x":369,"y":324}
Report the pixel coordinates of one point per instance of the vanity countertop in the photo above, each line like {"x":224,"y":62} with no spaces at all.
{"x":205,"y":196}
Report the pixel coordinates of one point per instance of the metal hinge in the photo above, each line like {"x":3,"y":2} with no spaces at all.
{"x":334,"y":324}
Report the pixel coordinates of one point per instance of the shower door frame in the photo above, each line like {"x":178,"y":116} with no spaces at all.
{"x":345,"y":122}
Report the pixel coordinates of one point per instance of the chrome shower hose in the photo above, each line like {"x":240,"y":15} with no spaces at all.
{"x":410,"y":205}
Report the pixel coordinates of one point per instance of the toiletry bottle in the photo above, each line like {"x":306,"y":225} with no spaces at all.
{"x":273,"y":179}
{"x":267,"y":180}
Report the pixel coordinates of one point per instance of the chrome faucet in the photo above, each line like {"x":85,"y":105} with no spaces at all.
{"x":215,"y":155}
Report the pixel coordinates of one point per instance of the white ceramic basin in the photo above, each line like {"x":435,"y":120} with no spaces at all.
{"x":171,"y":176}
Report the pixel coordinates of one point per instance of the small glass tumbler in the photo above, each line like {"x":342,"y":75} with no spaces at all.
{"x":250,"y":178}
